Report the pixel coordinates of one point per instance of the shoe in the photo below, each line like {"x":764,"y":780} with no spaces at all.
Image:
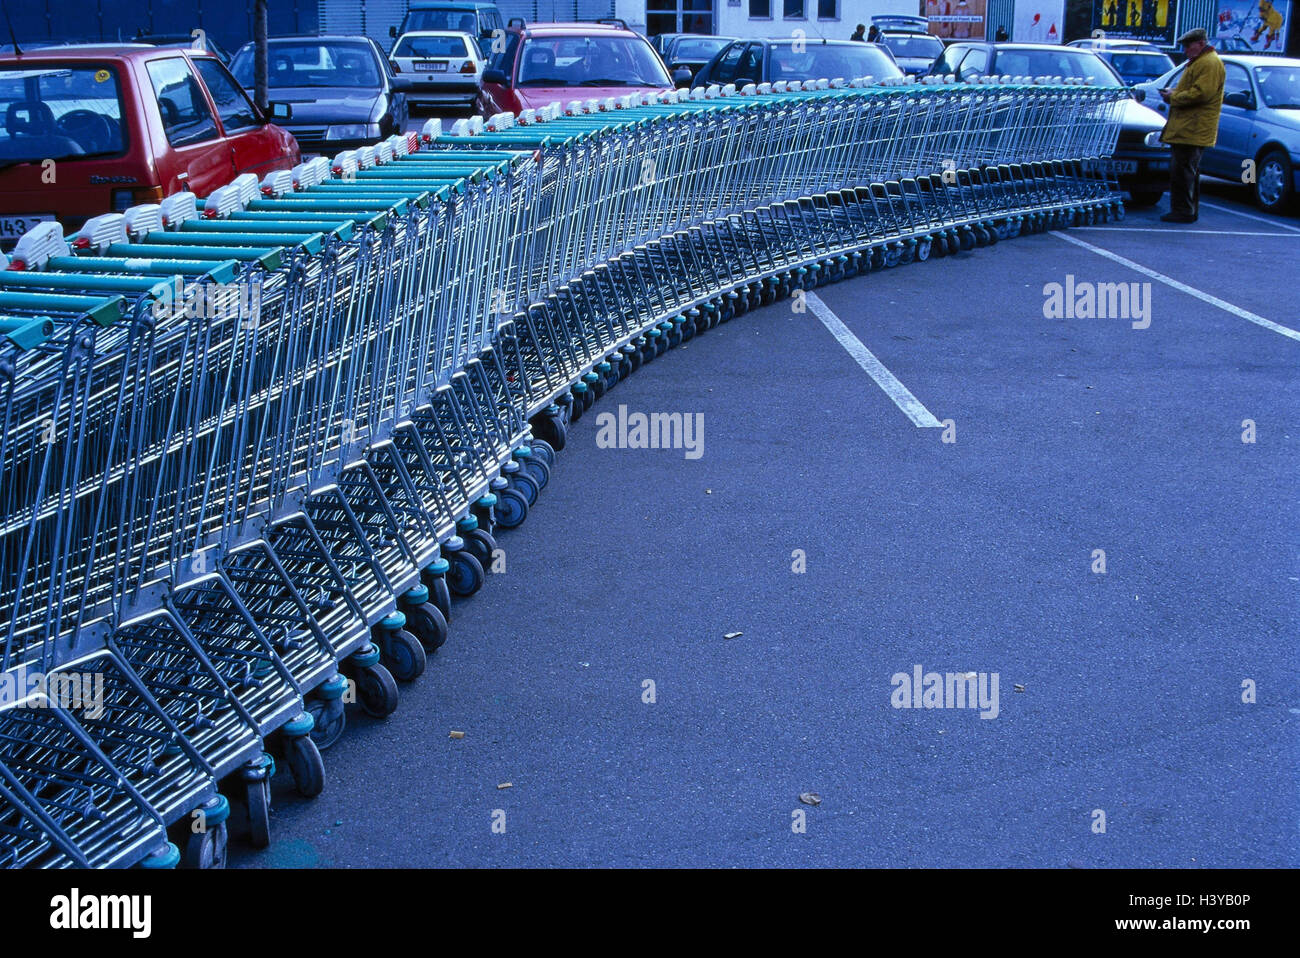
{"x":1177,"y":218}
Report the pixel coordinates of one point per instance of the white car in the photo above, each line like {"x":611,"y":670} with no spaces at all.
{"x":437,"y":66}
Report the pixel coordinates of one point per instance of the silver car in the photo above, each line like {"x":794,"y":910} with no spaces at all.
{"x":1259,"y":128}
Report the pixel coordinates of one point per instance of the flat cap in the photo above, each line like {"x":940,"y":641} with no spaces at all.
{"x":1191,"y":36}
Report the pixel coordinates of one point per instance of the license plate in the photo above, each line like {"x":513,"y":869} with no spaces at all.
{"x":1114,"y":167}
{"x":431,"y":67}
{"x":12,"y":227}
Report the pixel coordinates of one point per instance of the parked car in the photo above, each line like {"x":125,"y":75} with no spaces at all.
{"x":437,"y":66}
{"x":340,"y":92}
{"x":689,"y":51}
{"x":1259,"y":124}
{"x":185,"y":41}
{"x":909,"y":40}
{"x":482,"y":20}
{"x":91,"y":130}
{"x":766,"y":61}
{"x":1141,"y":161}
{"x":557,"y":62}
{"x":1134,"y":60}
{"x":661,"y":41}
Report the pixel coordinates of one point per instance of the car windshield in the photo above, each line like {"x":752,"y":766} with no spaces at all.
{"x":1147,"y":66}
{"x":815,"y":61}
{"x":913,"y":45}
{"x":590,"y":61}
{"x":1055,"y":63}
{"x":55,"y":113}
{"x":1279,"y":87}
{"x":463,"y":21}
{"x":410,"y":46}
{"x":307,"y":63}
{"x":697,"y":48}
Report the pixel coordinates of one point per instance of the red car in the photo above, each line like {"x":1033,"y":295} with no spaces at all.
{"x":99,"y":128}
{"x":558,"y":62}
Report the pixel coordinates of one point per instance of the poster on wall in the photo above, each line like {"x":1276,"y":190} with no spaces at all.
{"x":1258,"y":26}
{"x":1151,"y":20}
{"x":955,"y":19}
{"x":1038,"y":21}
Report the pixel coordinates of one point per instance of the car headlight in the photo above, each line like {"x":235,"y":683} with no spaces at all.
{"x":352,"y":131}
{"x":1152,"y":141}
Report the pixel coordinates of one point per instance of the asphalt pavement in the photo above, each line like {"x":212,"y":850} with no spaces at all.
{"x":1146,"y":714}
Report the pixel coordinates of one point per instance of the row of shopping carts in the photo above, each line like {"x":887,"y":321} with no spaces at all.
{"x":253,"y":444}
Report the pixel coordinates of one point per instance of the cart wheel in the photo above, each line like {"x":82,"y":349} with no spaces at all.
{"x":439,"y":594}
{"x":481,"y":545}
{"x":466,"y":575}
{"x":376,"y":690}
{"x":206,"y":849}
{"x":428,"y":625}
{"x":923,"y":250}
{"x":527,"y":485}
{"x":258,"y":795}
{"x":542,"y":449}
{"x":330,"y":718}
{"x":561,"y":434}
{"x":403,"y":655}
{"x":537,"y":470}
{"x":512,"y":508}
{"x":306,"y":765}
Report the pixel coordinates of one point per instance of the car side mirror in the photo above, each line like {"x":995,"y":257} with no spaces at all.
{"x":392,"y":32}
{"x":496,"y":76}
{"x":279,"y":111}
{"x":682,"y":77}
{"x":1240,"y":98}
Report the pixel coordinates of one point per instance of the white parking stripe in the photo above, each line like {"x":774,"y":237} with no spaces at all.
{"x":1271,"y":221}
{"x":1152,"y":229}
{"x":895,"y":390}
{"x":1184,"y":288}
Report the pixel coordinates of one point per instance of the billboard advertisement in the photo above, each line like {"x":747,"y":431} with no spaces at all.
{"x":1151,"y":20}
{"x":955,"y":19}
{"x":1038,"y":21}
{"x":1257,"y":26}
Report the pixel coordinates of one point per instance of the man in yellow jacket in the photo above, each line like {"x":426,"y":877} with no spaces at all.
{"x":1194,"y":106}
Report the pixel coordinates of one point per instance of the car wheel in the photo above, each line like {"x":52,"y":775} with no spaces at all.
{"x":1142,"y":199}
{"x":1273,"y":182}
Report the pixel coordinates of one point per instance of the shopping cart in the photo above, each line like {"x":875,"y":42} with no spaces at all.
{"x":253,"y":445}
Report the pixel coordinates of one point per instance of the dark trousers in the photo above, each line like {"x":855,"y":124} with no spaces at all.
{"x":1185,"y":179}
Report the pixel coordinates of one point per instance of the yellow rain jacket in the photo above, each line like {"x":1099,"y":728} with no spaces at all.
{"x":1195,"y":103}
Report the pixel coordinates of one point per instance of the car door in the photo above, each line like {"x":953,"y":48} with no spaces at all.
{"x":750,"y":68}
{"x":723,"y":69}
{"x":974,"y":65}
{"x":188,"y":126}
{"x":254,"y":146}
{"x":1236,"y":141}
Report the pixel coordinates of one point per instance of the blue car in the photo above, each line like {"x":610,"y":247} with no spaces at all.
{"x":1259,"y":128}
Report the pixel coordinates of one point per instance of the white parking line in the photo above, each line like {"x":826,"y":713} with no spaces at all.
{"x":1152,"y":229}
{"x":895,"y":390}
{"x":1184,"y":288}
{"x":1271,"y":221}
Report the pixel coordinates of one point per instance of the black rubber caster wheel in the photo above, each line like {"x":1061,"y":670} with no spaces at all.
{"x":330,"y":718}
{"x":403,"y":655}
{"x":258,"y":797}
{"x":207,"y":849}
{"x":542,"y":450}
{"x":537,"y":470}
{"x":512,"y":508}
{"x":526,"y":485}
{"x":466,"y":574}
{"x":306,"y":765}
{"x":376,"y":690}
{"x":480,"y":544}
{"x":426,"y":623}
